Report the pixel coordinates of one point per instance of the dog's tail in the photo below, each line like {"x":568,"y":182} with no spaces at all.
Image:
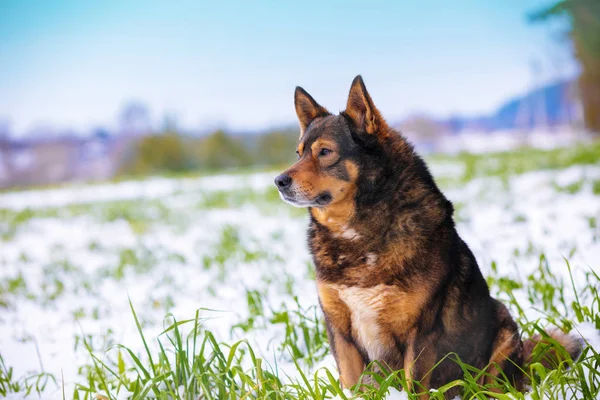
{"x":552,"y":348}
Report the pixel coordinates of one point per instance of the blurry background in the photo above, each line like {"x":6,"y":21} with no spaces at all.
{"x":94,"y":90}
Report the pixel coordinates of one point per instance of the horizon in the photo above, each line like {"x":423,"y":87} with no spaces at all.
{"x":74,"y":66}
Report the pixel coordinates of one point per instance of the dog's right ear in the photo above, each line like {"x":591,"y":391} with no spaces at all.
{"x":307,"y":109}
{"x":361,"y":110}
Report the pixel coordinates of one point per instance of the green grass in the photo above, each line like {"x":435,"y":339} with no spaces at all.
{"x":596,"y":187}
{"x":192,"y":364}
{"x":186,"y":361}
{"x":515,"y":162}
{"x":34,"y":383}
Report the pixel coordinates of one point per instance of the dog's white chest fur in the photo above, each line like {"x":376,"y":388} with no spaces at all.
{"x":364,"y":305}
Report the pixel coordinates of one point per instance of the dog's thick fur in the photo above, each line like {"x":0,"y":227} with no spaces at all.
{"x":395,"y":281}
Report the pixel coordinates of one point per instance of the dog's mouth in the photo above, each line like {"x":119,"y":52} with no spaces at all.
{"x":294,"y":199}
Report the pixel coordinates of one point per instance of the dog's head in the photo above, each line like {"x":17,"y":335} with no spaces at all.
{"x":331,"y":149}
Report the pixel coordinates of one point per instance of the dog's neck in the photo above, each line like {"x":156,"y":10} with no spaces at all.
{"x":336,"y":217}
{"x":389,"y":204}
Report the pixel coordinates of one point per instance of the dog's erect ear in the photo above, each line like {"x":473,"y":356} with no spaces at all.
{"x":307,"y":109}
{"x":361,"y":110}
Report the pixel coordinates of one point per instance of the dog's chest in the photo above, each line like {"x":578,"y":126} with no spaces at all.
{"x":375,"y":317}
{"x":365,"y":306}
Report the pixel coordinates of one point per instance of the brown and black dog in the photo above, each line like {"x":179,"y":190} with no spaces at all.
{"x":395,"y":281}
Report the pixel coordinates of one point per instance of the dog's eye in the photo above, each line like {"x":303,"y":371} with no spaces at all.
{"x":298,"y":154}
{"x":324,"y":152}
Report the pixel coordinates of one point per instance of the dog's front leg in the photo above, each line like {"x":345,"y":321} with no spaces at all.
{"x":349,"y":361}
{"x":418,"y":361}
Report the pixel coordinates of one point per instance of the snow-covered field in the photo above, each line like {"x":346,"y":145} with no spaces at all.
{"x":73,"y":258}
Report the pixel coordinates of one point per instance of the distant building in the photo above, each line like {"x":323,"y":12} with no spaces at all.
{"x":32,"y":161}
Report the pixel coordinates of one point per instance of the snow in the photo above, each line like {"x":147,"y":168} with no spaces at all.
{"x":395,"y":394}
{"x":82,"y":252}
{"x":478,"y":142}
{"x":589,"y":333}
{"x":151,"y":188}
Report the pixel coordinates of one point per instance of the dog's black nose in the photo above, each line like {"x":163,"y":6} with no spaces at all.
{"x":283,"y":181}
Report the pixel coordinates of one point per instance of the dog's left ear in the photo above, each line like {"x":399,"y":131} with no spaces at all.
{"x":361,"y":110}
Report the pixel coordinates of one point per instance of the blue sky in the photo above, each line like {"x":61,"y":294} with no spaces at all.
{"x":73,"y":63}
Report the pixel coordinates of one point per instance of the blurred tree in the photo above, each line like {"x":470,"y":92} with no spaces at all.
{"x":173,"y":152}
{"x":584,"y":21}
{"x":158,"y":153}
{"x":220,"y":150}
{"x":277,"y":147}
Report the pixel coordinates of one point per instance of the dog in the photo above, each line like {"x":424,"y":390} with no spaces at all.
{"x":396,"y":283}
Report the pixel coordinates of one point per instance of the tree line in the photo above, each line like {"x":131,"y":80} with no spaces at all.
{"x":173,"y":152}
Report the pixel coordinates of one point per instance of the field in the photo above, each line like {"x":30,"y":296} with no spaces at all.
{"x":202,"y":287}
